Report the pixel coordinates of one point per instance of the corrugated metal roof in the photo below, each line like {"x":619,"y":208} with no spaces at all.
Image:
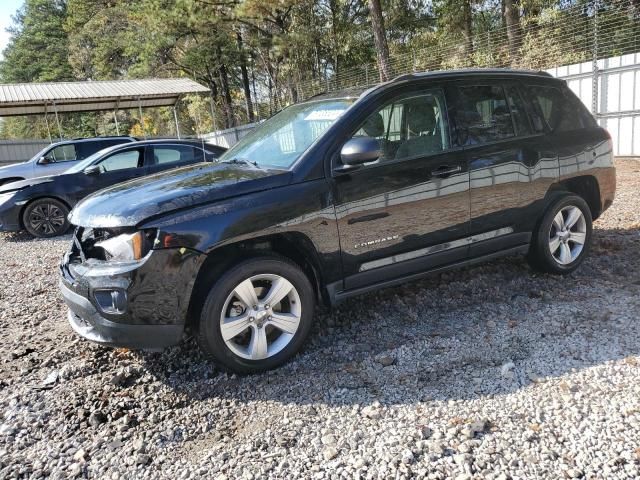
{"x":35,"y":98}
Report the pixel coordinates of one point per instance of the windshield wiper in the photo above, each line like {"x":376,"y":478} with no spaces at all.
{"x":242,"y":160}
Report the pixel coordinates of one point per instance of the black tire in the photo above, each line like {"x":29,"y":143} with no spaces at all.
{"x":209,"y":330}
{"x":540,"y":255}
{"x":46,"y":218}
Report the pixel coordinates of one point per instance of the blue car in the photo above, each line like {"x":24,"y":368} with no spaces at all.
{"x":41,"y":205}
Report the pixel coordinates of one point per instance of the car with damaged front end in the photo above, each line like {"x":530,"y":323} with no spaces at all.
{"x":339,"y":195}
{"x":129,"y":274}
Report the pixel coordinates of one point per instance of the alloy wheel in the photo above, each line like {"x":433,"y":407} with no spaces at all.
{"x":567,"y":235}
{"x":46,"y":218}
{"x":260,"y":316}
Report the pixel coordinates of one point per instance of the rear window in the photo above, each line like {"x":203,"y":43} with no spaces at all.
{"x":175,"y":153}
{"x":86,"y":149}
{"x":518,"y":110}
{"x":483,"y":115}
{"x":559,"y":109}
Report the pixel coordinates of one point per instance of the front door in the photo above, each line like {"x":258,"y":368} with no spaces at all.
{"x":408,"y":211}
{"x":56,"y":161}
{"x":116,"y":168}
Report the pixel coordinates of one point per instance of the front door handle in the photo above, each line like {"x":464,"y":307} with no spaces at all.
{"x":445,"y":171}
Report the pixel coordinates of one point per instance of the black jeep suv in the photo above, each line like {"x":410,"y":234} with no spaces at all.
{"x":333,"y":197}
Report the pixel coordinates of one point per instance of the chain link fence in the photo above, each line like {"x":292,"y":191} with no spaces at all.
{"x":551,"y":38}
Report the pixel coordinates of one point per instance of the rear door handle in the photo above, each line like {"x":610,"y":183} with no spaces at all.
{"x":445,"y":171}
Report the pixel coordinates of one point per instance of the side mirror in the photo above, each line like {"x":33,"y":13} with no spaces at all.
{"x":46,"y":160}
{"x":92,"y":170}
{"x":358,"y":151}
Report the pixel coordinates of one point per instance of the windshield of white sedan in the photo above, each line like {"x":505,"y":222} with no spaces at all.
{"x":281,"y":140}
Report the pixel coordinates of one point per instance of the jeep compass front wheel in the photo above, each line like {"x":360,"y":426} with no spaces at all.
{"x":563,"y":237}
{"x":257,"y":315}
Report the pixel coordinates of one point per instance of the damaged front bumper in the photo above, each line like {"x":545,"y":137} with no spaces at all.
{"x":87,"y":322}
{"x":142,"y":304}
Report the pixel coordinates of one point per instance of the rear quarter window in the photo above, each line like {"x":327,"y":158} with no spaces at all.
{"x":559,"y":109}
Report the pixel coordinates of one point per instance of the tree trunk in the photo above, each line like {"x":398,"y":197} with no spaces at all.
{"x":512,"y":22}
{"x":293,"y":89}
{"x":380,"y":38}
{"x":226,"y":97}
{"x":467,"y":28}
{"x":333,"y":6}
{"x":245,"y":79}
{"x":253,"y":87}
{"x":271,"y":97}
{"x":214,"y":97}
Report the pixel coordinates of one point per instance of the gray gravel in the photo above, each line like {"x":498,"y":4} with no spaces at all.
{"x":489,"y":372}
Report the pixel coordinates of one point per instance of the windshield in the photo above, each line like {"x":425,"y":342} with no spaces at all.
{"x":281,"y":140}
{"x":87,"y":162}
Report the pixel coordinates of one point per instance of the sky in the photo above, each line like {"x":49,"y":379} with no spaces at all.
{"x":7,"y":9}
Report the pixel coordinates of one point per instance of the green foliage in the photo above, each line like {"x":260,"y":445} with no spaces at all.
{"x":257,"y":56}
{"x":38,"y":50}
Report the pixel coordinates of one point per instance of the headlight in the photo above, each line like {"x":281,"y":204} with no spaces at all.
{"x":126,"y":247}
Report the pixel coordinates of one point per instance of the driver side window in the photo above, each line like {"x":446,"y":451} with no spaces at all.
{"x":409,"y":127}
{"x":122,"y":161}
{"x":62,"y":153}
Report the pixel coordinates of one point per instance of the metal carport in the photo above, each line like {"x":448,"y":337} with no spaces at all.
{"x":56,"y":97}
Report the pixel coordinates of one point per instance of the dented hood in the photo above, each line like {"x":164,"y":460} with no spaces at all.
{"x":130,"y":203}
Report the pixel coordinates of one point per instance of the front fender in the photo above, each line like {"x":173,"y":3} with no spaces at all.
{"x":303,"y":208}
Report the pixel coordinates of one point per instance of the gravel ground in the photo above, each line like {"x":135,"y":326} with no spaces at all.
{"x":488,"y":372}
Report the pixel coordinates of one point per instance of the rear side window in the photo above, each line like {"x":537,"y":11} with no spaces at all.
{"x":163,"y":155}
{"x":86,"y":149}
{"x":483,"y":115}
{"x":557,"y":109}
{"x":518,"y":110}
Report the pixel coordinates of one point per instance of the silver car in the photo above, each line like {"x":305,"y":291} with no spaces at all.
{"x":57,"y":158}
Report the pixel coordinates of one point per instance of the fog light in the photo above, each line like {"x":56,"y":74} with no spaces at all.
{"x":111,"y":301}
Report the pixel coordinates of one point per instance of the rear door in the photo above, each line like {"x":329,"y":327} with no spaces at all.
{"x":570,"y":130}
{"x":510,"y":165}
{"x":409,"y":211}
{"x":165,"y":156}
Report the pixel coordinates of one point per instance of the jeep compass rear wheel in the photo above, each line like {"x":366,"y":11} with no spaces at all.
{"x":257,"y":315}
{"x":563,"y":237}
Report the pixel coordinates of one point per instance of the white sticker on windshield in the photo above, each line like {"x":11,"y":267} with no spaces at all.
{"x":324,"y":115}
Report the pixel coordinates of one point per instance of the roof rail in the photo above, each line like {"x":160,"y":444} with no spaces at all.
{"x":435,"y":73}
{"x":98,"y":137}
